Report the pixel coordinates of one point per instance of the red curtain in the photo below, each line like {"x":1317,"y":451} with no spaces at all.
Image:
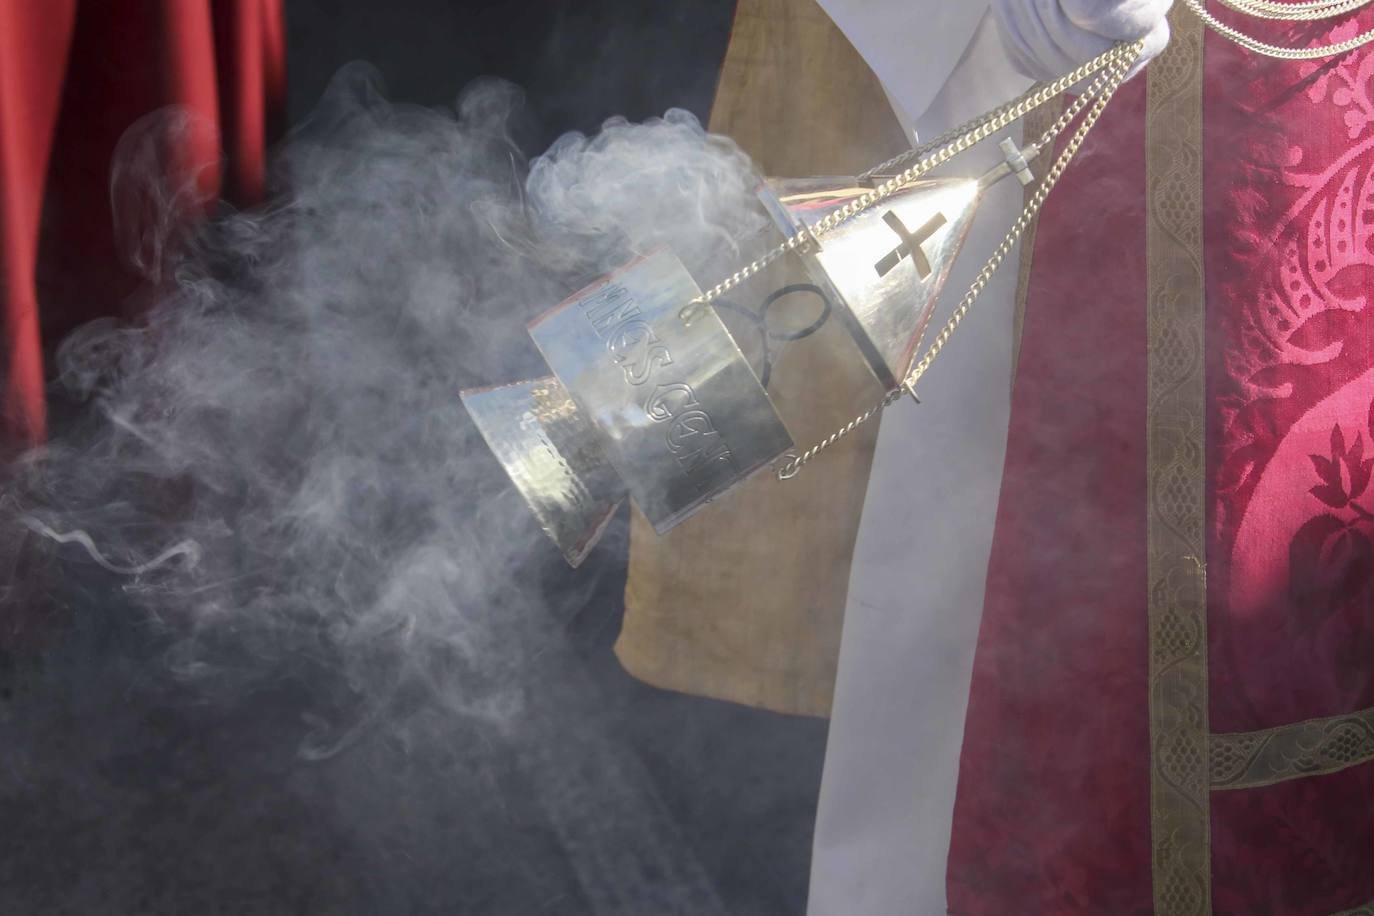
{"x":74,"y":76}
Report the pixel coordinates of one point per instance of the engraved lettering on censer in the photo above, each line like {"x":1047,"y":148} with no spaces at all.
{"x":691,"y":434}
{"x":910,"y":245}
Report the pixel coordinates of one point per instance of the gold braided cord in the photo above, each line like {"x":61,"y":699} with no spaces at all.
{"x":1100,"y":93}
{"x":931,"y":155}
{"x":1303,"y":12}
{"x":1266,"y":11}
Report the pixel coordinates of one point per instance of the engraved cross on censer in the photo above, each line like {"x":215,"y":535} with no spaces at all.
{"x":910,"y":245}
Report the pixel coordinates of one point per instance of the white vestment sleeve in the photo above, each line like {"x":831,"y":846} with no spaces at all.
{"x":911,"y":45}
{"x":916,"y":588}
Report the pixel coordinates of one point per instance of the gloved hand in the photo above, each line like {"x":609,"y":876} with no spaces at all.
{"x":1048,"y":38}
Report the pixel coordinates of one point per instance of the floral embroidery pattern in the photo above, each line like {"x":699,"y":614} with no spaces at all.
{"x":1294,"y":325}
{"x":1344,"y":83}
{"x":1299,"y":333}
{"x":1331,"y":558}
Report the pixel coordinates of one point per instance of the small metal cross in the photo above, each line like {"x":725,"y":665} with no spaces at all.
{"x":910,"y":244}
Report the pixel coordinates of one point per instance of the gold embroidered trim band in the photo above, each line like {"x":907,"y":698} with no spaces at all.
{"x":1247,"y":760}
{"x":1176,"y":482}
{"x":1366,"y":910}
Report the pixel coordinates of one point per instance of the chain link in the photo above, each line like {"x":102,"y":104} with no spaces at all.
{"x":1111,"y":68}
{"x":1262,"y":9}
{"x":931,"y":155}
{"x":1305,"y":12}
{"x":1031,"y":150}
{"x":1117,"y":63}
{"x":1027,"y":214}
{"x":1100,"y":93}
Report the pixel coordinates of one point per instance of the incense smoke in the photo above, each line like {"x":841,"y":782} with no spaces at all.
{"x":275,"y":482}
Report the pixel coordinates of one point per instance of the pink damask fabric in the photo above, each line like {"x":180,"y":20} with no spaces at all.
{"x":1053,"y":810}
{"x":1290,"y":245}
{"x":1290,"y":261}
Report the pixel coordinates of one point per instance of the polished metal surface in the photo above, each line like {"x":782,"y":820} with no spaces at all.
{"x":683,"y":416}
{"x":554,"y":456}
{"x":651,"y":396}
{"x":886,"y":266}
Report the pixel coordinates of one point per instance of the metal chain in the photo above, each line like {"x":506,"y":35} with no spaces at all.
{"x":1109,"y":83}
{"x":1114,"y":64}
{"x":1033,"y":98}
{"x":1009,"y":241}
{"x":948,"y":137}
{"x":1268,"y":11}
{"x":949,"y":145}
{"x":1117,"y":65}
{"x":1304,"y":12}
{"x":1043,"y":142}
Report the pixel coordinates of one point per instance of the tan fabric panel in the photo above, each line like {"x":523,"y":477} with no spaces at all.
{"x":745,"y":601}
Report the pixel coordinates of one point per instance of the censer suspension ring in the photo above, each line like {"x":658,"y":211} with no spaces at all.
{"x":767,"y":335}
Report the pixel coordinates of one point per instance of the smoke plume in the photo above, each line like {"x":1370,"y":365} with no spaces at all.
{"x":273,"y":481}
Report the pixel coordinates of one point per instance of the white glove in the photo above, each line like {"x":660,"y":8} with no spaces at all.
{"x":1048,"y":38}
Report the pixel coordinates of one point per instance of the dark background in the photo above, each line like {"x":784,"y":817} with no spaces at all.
{"x":163,"y":805}
{"x":579,"y":61}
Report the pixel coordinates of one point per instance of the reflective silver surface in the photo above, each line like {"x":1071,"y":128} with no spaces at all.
{"x":886,"y":266}
{"x":684,"y":417}
{"x":553,"y":455}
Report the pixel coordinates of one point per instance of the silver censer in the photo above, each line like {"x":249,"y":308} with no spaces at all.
{"x":645,"y":403}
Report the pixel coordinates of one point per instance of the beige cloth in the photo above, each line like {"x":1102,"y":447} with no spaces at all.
{"x":745,"y":601}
